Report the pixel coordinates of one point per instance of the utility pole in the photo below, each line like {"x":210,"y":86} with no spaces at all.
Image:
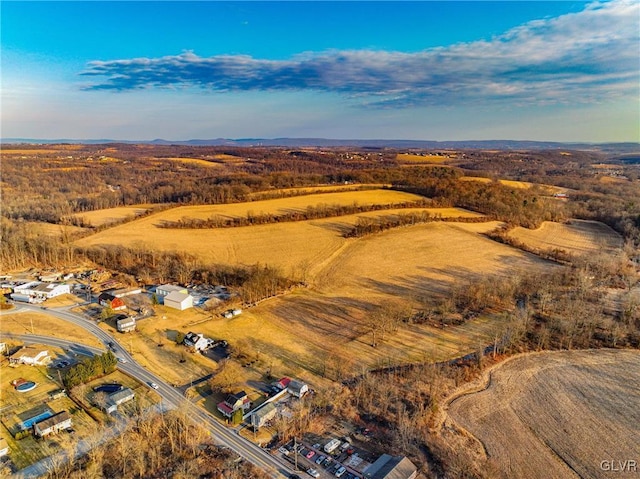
{"x":295,"y":453}
{"x":32,"y":326}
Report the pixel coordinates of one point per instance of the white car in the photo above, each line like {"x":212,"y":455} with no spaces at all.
{"x":153,"y":385}
{"x":313,"y":473}
{"x":122,"y":360}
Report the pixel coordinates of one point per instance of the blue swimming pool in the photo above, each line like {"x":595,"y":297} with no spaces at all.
{"x":32,"y":420}
{"x":24,"y":387}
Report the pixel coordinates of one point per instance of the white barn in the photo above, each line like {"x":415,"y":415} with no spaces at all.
{"x":177,"y":300}
{"x":166,"y":289}
{"x":37,"y":289}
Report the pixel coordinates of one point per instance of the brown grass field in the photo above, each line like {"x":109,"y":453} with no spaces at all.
{"x":194,"y":161}
{"x":549,"y":189}
{"x":20,"y":323}
{"x":578,"y":237}
{"x":417,"y":159}
{"x":111,"y":215}
{"x":558,"y":414}
{"x":307,"y":190}
{"x":49,"y":229}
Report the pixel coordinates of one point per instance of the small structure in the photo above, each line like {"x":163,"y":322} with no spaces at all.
{"x":263,"y":415}
{"x":234,"y":402}
{"x":38,"y":289}
{"x":391,"y":467}
{"x":126,"y":324}
{"x":31,"y":355}
{"x":117,"y":398}
{"x":197,"y":341}
{"x":166,"y":289}
{"x":110,"y":301}
{"x":122,"y":292}
{"x":4,"y":447}
{"x":3,"y":347}
{"x":55,"y":423}
{"x":282,"y":383}
{"x":331,"y":446}
{"x":178,"y":300}
{"x":297,"y":388}
{"x":232,"y":313}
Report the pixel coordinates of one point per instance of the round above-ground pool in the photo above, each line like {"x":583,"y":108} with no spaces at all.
{"x":26,"y":386}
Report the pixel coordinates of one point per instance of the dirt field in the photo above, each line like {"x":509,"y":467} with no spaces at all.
{"x":20,"y":323}
{"x":110,"y":215}
{"x":559,"y":415}
{"x":576,"y":237}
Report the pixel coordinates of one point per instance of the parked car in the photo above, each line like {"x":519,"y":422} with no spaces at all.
{"x":341,"y":471}
{"x":320,"y":459}
{"x":310,"y":454}
{"x":327,"y":462}
{"x":284,"y":450}
{"x":294,"y":476}
{"x":313,"y":473}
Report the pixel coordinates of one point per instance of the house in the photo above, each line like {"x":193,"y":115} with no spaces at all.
{"x":126,"y":324}
{"x":166,"y":289}
{"x":179,"y":301}
{"x":31,"y":355}
{"x":297,"y":388}
{"x":117,"y":398}
{"x":3,"y":347}
{"x":55,"y":423}
{"x":196,"y":341}
{"x":234,"y":402}
{"x":391,"y":467}
{"x":38,"y":289}
{"x":4,"y":447}
{"x":263,"y":415}
{"x":110,"y":301}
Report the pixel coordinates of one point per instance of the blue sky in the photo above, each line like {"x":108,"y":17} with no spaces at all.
{"x":563,"y":71}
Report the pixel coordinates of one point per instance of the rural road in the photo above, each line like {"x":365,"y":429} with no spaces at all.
{"x":171,"y":397}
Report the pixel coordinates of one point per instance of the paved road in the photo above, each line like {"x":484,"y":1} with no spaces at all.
{"x":171,"y":397}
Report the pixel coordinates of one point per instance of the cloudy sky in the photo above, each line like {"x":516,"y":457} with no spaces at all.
{"x":563,"y":71}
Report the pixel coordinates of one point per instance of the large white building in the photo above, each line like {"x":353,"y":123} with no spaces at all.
{"x":165,"y":290}
{"x":177,"y":300}
{"x":38,"y":289}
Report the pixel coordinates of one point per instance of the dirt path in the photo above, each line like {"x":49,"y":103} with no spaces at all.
{"x":558,"y":414}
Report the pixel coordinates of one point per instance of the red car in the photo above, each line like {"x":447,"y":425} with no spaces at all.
{"x":310,"y":454}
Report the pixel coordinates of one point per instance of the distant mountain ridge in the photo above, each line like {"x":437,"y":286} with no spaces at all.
{"x":328,"y":142}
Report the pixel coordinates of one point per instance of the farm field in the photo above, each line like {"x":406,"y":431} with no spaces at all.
{"x":577,"y":236}
{"x":569,"y":410}
{"x":20,"y":323}
{"x":417,"y":159}
{"x":111,"y":215}
{"x":193,"y":161}
{"x":307,"y":190}
{"x":296,"y":247}
{"x":549,"y":189}
{"x":48,"y":229}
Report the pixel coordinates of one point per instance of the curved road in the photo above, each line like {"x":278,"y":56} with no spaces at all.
{"x":171,"y":397}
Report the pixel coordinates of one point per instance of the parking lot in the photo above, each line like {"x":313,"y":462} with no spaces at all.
{"x":315,"y":461}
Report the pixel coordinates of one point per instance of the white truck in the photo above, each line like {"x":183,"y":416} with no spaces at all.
{"x":331,"y":446}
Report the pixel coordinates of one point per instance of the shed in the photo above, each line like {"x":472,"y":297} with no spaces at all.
{"x":177,"y":300}
{"x":126,"y":324}
{"x":263,"y":415}
{"x":297,"y":388}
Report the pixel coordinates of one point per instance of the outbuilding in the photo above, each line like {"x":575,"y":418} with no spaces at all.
{"x":126,"y":324}
{"x":110,"y":301}
{"x":165,"y":290}
{"x":178,"y":300}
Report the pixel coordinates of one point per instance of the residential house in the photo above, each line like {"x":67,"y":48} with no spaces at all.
{"x":126,"y":324}
{"x":4,"y":447}
{"x":110,"y":301}
{"x":263,"y":415}
{"x":179,"y":301}
{"x":166,"y":289}
{"x":297,"y":388}
{"x":117,"y":398}
{"x":196,"y":341}
{"x":234,"y":402}
{"x":55,"y":423}
{"x":391,"y":467}
{"x":31,"y":355}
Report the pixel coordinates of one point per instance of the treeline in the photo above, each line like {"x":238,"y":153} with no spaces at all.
{"x":501,"y":235}
{"x":155,"y":446}
{"x":368,"y":226}
{"x":89,"y":369}
{"x":311,"y":212}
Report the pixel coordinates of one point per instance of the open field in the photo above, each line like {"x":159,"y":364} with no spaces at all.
{"x":194,"y":161}
{"x":111,"y":215}
{"x":27,"y":151}
{"x":296,"y":247}
{"x":568,"y":410}
{"x":20,"y":323}
{"x":417,"y":159}
{"x":577,"y":237}
{"x":49,"y":229}
{"x":307,"y":190}
{"x":549,"y":189}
